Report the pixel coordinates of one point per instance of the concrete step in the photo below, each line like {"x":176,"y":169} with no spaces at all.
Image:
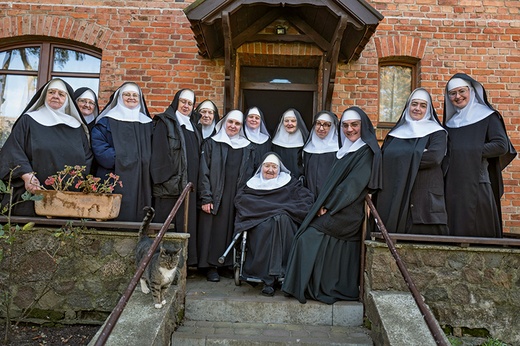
{"x":223,"y":313}
{"x":200,"y":333}
{"x":225,"y":302}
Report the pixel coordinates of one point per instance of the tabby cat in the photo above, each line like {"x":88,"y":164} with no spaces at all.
{"x":165,"y":264}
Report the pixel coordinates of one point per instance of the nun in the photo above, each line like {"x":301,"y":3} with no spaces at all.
{"x":412,"y":200}
{"x":226,"y":164}
{"x":176,"y":145}
{"x":122,"y":145}
{"x":207,"y":117}
{"x":324,"y":261}
{"x":87,"y":103}
{"x":49,"y":134}
{"x":478,"y":150}
{"x":319,"y":153}
{"x":256,"y":131}
{"x":270,"y":208}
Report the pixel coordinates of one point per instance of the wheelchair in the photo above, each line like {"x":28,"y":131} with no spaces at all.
{"x":239,"y":246}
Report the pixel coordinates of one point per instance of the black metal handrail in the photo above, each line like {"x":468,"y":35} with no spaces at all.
{"x":116,"y":313}
{"x":430,"y":320}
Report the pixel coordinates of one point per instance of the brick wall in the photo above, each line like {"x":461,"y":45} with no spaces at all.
{"x":151,"y":43}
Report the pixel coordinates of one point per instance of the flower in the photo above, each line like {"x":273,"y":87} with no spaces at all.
{"x":73,"y":177}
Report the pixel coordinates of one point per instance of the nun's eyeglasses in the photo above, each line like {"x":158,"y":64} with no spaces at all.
{"x":86,"y":102}
{"x":462,"y":92}
{"x":324,"y":125}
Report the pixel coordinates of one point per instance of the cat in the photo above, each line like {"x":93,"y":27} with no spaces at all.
{"x":164,"y":267}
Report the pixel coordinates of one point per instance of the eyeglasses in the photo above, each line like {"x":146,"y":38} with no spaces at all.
{"x":86,"y":102}
{"x":134,"y":95}
{"x":462,"y":92}
{"x":324,"y":125}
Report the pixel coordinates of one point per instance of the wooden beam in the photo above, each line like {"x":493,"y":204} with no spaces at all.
{"x":331,"y":62}
{"x":302,"y":25}
{"x":255,"y":27}
{"x":279,"y":38}
{"x":230,"y":63}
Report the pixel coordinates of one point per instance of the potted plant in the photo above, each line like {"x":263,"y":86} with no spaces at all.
{"x":92,"y":198}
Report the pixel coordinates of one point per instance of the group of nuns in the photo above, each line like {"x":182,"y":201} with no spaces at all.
{"x":299,"y":195}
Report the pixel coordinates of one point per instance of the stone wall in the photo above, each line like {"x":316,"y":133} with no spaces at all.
{"x":79,"y":274}
{"x":472,"y":287}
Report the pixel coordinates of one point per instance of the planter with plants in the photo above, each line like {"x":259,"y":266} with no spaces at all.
{"x":92,"y":198}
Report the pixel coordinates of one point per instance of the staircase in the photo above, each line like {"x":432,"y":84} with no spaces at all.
{"x":225,"y":314}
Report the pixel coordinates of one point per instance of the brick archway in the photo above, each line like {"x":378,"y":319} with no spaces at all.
{"x":400,"y":46}
{"x":56,"y":26}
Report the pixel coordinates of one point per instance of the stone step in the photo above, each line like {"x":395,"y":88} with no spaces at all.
{"x":199,"y":333}
{"x":225,"y":302}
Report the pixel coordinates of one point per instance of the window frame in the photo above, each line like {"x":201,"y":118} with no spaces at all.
{"x":45,"y":65}
{"x":44,"y":72}
{"x":399,"y":61}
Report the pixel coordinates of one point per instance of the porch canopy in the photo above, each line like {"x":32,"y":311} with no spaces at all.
{"x":340,"y":28}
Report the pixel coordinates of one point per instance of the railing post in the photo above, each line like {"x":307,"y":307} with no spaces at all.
{"x":430,"y":320}
{"x":116,"y":313}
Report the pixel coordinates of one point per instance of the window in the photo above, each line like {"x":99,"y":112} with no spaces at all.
{"x":396,"y":82}
{"x":26,"y":68}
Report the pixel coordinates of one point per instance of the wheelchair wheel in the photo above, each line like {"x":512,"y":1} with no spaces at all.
{"x":237,"y":276}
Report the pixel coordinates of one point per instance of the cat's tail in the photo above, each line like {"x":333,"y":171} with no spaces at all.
{"x":145,"y":224}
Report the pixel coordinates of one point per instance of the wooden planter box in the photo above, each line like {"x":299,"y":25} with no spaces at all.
{"x":78,"y":205}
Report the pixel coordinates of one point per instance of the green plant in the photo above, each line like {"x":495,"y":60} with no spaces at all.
{"x":454,"y":341}
{"x":493,"y":342}
{"x":73,"y":176}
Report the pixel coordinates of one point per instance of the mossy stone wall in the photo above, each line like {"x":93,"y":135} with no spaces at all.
{"x":474,"y":287}
{"x":74,"y":276}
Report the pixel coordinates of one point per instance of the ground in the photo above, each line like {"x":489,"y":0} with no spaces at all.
{"x":29,"y":335}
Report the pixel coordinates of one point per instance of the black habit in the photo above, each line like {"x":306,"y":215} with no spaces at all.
{"x":412,"y":198}
{"x":477,"y":154}
{"x":325,"y":257}
{"x":124,"y":147}
{"x":223,"y":171}
{"x":271,"y":218}
{"x":175,"y":162}
{"x":42,"y":149}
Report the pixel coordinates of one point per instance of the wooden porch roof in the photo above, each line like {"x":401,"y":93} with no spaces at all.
{"x":342,"y":25}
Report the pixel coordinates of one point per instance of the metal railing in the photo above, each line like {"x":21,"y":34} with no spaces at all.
{"x":430,"y":320}
{"x":116,"y":313}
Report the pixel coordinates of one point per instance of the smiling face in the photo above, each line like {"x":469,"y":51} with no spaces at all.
{"x":418,"y":109}
{"x":290,"y":124}
{"x":269,"y":170}
{"x":233,"y":127}
{"x":253,"y":121}
{"x":351,"y":129}
{"x":459,"y":97}
{"x":130,"y":99}
{"x":206,"y":116}
{"x":55,"y":98}
{"x":86,"y":106}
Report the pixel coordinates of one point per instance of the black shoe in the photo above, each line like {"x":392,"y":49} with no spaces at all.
{"x":212,"y":275}
{"x":268,"y":291}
